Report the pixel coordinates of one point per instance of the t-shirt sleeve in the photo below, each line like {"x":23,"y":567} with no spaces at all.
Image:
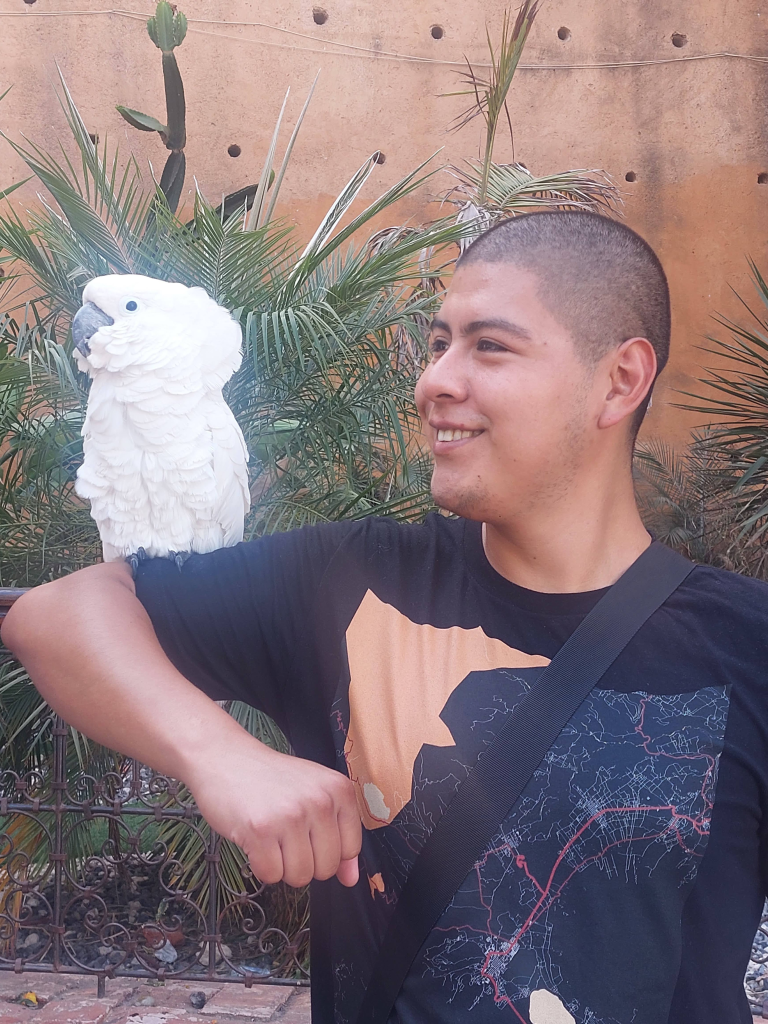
{"x":237,"y":622}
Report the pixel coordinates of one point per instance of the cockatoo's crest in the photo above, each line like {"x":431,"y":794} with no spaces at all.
{"x":160,"y":326}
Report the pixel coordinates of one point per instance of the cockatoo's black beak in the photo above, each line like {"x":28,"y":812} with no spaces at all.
{"x":88,"y":319}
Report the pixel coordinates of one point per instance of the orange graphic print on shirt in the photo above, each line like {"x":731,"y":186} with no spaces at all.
{"x":401,"y":675}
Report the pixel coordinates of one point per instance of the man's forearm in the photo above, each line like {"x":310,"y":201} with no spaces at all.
{"x":91,"y":651}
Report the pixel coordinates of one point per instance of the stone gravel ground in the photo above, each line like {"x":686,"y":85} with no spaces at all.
{"x":66,"y":999}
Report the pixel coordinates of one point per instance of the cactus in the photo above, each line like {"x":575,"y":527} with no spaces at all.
{"x":167,"y":30}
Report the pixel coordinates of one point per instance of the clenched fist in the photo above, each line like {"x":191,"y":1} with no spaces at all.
{"x":295,"y":819}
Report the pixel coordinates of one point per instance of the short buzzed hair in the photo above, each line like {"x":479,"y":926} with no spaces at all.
{"x":597,"y":277}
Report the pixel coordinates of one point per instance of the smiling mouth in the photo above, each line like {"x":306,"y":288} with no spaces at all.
{"x":456,"y":435}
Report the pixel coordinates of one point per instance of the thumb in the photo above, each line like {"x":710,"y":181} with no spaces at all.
{"x":349,"y":872}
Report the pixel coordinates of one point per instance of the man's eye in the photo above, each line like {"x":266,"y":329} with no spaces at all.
{"x":486,"y":345}
{"x":438,"y":345}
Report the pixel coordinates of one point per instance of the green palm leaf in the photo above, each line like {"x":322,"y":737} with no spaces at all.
{"x":735,"y":399}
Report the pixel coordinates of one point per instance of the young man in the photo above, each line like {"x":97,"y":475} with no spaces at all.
{"x":626,"y":884}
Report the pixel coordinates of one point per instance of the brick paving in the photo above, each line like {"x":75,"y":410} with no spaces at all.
{"x":72,"y":1000}
{"x":63,"y":999}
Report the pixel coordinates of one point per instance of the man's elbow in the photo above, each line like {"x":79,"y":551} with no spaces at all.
{"x":51,"y":607}
{"x":26,"y":618}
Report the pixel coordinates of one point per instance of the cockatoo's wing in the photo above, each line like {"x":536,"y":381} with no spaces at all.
{"x":230,"y":467}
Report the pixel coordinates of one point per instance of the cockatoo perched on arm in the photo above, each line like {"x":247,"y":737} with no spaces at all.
{"x":165,"y":461}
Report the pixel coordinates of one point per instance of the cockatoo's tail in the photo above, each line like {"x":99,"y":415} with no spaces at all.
{"x":165,"y":461}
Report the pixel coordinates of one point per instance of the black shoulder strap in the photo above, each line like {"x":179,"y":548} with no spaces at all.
{"x":496,"y":780}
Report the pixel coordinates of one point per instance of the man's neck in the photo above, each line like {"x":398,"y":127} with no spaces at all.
{"x":573,"y":545}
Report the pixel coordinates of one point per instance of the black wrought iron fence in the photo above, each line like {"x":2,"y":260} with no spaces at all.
{"x":116,"y":874}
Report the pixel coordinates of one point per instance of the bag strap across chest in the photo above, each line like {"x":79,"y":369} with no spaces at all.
{"x":495,"y":782}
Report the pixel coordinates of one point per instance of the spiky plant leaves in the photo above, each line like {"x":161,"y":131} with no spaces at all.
{"x":44,"y":529}
{"x":256,"y":218}
{"x":735,"y":400}
{"x":288,"y":151}
{"x":490,"y":94}
{"x":688,"y":500}
{"x":512,"y":189}
{"x":490,"y":192}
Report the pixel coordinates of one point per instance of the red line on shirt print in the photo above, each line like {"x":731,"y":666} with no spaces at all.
{"x":711,"y":761}
{"x":548,"y":894}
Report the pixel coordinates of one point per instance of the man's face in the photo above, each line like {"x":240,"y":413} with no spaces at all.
{"x":505,"y":400}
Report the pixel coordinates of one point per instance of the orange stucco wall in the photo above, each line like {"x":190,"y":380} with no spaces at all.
{"x":694,"y":132}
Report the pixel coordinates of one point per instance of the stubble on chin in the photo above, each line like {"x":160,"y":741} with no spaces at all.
{"x":519,"y":494}
{"x":470,"y":500}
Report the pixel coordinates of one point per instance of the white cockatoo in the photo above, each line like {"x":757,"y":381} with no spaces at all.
{"x":165,"y":461}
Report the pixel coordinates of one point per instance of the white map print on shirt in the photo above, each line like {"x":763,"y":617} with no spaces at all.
{"x":632,"y":824}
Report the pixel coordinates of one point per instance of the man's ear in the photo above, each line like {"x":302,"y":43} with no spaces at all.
{"x":631,"y":373}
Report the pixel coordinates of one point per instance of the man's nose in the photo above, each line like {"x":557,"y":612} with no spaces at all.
{"x":445,"y":379}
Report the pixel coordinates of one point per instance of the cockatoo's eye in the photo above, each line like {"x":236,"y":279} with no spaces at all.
{"x":131,"y":306}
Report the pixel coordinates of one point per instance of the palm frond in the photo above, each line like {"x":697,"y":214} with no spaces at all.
{"x":511,"y":188}
{"x":735,"y":400}
{"x":490,"y":93}
{"x":687,"y":500}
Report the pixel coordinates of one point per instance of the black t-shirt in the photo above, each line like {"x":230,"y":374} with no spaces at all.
{"x":626,"y":885}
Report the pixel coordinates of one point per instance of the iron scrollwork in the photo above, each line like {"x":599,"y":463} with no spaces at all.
{"x":117,"y":875}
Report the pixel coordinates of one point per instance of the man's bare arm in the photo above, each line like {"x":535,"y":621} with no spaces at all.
{"x":90,"y":648}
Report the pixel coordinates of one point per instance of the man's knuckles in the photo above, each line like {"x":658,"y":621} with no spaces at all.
{"x":268,"y":874}
{"x":298,"y":878}
{"x":290,"y":816}
{"x":326,"y":870}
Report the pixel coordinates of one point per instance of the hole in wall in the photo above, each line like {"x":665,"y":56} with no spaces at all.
{"x":380,"y":157}
{"x":630,"y":176}
{"x":437,"y":32}
{"x":2,"y":272}
{"x":319,"y":15}
{"x":762,"y":178}
{"x":679,"y":40}
{"x":564,"y":33}
{"x":234,"y":149}
{"x":94,"y":138}
{"x":30,"y":2}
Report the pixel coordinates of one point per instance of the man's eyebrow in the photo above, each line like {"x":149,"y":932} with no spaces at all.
{"x":499,"y":324}
{"x":439,"y":325}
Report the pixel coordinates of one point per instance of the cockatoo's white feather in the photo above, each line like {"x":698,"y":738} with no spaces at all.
{"x":165,"y":461}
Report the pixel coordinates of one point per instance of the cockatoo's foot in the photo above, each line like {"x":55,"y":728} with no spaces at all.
{"x":179,"y":557}
{"x":135,"y":561}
